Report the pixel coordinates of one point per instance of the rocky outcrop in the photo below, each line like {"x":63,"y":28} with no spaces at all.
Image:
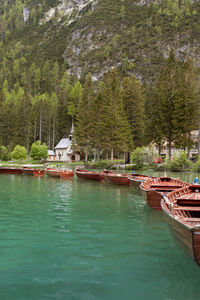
{"x":70,"y":8}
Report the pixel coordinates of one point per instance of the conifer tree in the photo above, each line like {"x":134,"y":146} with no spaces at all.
{"x":166,"y":88}
{"x":95,"y":120}
{"x":63,"y":118}
{"x":185,"y":116}
{"x":153,"y":128}
{"x":83,"y":127}
{"x":114,"y":127}
{"x":133,"y":99}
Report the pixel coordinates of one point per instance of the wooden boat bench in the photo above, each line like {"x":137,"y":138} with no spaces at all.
{"x":189,"y":208}
{"x":163,"y":186}
{"x":192,"y":219}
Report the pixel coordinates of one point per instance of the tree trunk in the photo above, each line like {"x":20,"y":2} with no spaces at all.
{"x":35,"y":131}
{"x":98,"y":154}
{"x":159,"y":151}
{"x":188,"y":152}
{"x":86,"y":155}
{"x":49,"y":142}
{"x":106,"y":154}
{"x":199,"y":140}
{"x":124,"y":157}
{"x":112,"y":155}
{"x":170,"y":149}
{"x":40,"y":135}
{"x":54,"y":132}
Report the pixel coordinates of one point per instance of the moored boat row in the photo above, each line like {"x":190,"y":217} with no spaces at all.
{"x":111,"y":177}
{"x":53,"y":172}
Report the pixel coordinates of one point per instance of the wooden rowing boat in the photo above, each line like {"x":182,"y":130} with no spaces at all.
{"x":28,"y":171}
{"x":59,"y":173}
{"x":38,"y":172}
{"x":121,"y":179}
{"x":136,"y":179}
{"x":182,"y":212}
{"x":10,"y":170}
{"x":154,"y":188}
{"x":88,"y":174}
{"x":66,"y":174}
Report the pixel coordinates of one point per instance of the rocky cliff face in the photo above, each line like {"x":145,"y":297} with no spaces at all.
{"x":135,"y":36}
{"x":70,"y":8}
{"x":95,"y":35}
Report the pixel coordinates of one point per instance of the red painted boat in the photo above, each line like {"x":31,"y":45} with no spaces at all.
{"x":28,"y":171}
{"x":38,"y":172}
{"x":57,"y":172}
{"x":116,"y":178}
{"x":154,"y":188}
{"x":66,"y":174}
{"x":137,"y":179}
{"x":88,"y":174}
{"x":104,"y":172}
{"x":182,"y":212}
{"x":10,"y":170}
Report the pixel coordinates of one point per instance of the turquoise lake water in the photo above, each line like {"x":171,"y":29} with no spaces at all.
{"x":84,"y":240}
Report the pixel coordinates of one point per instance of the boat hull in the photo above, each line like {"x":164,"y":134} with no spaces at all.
{"x":66,"y":174}
{"x":28,"y":171}
{"x":153,"y":199}
{"x":53,"y":173}
{"x":187,"y":238}
{"x":117,"y":179}
{"x":8,"y":170}
{"x":88,"y":175}
{"x":38,"y":173}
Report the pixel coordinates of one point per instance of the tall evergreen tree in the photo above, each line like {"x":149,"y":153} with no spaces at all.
{"x":185,"y":116}
{"x":83,"y":128}
{"x":133,"y":98}
{"x":114,"y":127}
{"x":166,"y":92}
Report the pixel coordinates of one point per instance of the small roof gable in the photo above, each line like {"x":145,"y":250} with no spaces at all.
{"x":51,"y":152}
{"x":64,"y":143}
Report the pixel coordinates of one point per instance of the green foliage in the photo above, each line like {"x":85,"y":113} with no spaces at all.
{"x":133,"y":99}
{"x":4,"y":153}
{"x":102,"y":164}
{"x":19,"y":153}
{"x":39,"y":151}
{"x":138,"y":157}
{"x":179,"y":163}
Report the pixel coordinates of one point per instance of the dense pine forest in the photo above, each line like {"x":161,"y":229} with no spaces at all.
{"x":133,"y":82}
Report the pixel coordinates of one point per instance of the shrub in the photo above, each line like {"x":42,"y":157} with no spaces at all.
{"x":39,"y":151}
{"x":19,"y":153}
{"x":138,"y":157}
{"x":4,"y":154}
{"x":102,"y":164}
{"x":197,"y":165}
{"x":179,"y":162}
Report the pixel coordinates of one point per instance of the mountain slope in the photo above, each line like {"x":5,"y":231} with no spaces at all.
{"x":95,"y":35}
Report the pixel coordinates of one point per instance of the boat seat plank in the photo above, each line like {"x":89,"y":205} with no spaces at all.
{"x":192,"y":196}
{"x":189,"y":208}
{"x":166,"y":186}
{"x":192,"y":219}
